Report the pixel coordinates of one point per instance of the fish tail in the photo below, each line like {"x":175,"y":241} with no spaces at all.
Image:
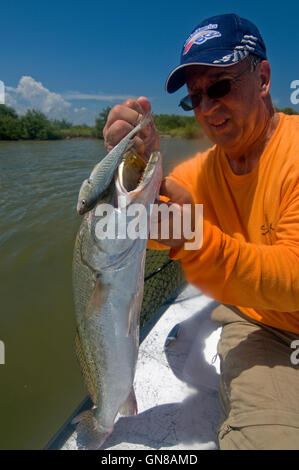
{"x":145,"y":120}
{"x":129,"y":408}
{"x":89,"y":437}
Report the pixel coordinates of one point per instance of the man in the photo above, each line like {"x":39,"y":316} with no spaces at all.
{"x":249,"y":259}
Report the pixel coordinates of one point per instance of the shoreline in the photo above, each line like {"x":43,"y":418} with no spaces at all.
{"x":161,"y":136}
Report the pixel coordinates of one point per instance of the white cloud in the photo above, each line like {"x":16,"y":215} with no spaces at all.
{"x":31,"y":94}
{"x":75,"y":95}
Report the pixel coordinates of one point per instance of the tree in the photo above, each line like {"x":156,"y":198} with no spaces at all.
{"x":35,"y":125}
{"x":286,"y":110}
{"x":101,"y":121}
{"x":10,"y":128}
{"x":7,"y":111}
{"x":62,"y":124}
{"x":9,"y":124}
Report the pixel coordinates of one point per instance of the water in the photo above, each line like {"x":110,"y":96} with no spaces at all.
{"x":40,"y":382}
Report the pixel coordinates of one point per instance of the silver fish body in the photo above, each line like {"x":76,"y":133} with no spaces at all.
{"x":108,"y":279}
{"x":103,"y":171}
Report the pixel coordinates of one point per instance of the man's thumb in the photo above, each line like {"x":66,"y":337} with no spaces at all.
{"x":144,"y":103}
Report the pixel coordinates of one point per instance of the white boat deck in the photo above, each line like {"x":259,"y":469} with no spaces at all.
{"x":177,"y":387}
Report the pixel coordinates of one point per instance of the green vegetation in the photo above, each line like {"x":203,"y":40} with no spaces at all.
{"x":178,"y":126}
{"x":80,"y":131}
{"x":101,"y":121}
{"x":286,"y":110}
{"x":10,"y":128}
{"x":35,"y":125}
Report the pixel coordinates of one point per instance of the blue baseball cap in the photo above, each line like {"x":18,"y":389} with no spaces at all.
{"x":221,"y":40}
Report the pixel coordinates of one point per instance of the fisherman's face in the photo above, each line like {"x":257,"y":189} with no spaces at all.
{"x":230,"y":121}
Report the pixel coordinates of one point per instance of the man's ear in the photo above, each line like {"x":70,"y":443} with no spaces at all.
{"x":264,"y":76}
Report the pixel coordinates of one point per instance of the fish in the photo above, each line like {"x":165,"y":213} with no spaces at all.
{"x":108,"y":283}
{"x":101,"y":175}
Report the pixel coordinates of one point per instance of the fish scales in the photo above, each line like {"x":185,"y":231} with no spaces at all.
{"x":108,"y":280}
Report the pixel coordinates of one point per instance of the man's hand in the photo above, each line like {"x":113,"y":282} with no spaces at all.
{"x":178,"y":197}
{"x":123,"y":118}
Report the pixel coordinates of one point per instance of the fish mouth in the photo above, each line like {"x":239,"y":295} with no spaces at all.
{"x":132,"y":171}
{"x":83,"y":208}
{"x":135,"y":177}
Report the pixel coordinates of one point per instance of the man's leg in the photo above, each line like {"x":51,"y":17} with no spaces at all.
{"x":259,"y":385}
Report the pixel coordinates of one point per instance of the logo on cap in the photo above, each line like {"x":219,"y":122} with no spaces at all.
{"x":200,"y":36}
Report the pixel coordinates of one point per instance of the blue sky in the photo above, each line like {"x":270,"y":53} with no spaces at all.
{"x":71,"y":59}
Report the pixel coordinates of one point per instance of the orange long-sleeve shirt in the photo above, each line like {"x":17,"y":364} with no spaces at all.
{"x":250,"y":252}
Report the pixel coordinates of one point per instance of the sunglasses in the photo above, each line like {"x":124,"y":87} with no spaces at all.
{"x":214,"y":92}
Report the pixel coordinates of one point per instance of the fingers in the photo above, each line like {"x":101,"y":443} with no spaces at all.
{"x":166,"y":225}
{"x":129,"y":111}
{"x":120,"y":122}
{"x":123,"y":118}
{"x":175,"y":192}
{"x":145,"y":104}
{"x":181,"y":205}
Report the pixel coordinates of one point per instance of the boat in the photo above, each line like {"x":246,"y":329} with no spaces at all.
{"x":177,"y":373}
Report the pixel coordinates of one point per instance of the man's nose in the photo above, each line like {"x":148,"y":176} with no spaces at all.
{"x":208,"y":105}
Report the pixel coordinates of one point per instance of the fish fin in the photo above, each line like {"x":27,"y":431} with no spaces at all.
{"x":129,"y":408}
{"x":130,"y":318}
{"x":146,"y":118}
{"x":130,"y":145}
{"x":136,"y":304}
{"x":98,"y":297}
{"x":94,"y":168}
{"x":89,"y":437}
{"x":85,"y":369}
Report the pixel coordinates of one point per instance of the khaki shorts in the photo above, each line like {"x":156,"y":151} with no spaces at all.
{"x":259,"y":385}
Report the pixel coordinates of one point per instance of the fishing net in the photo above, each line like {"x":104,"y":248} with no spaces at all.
{"x":162,"y":278}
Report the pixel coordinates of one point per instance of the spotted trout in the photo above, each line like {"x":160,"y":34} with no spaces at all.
{"x":108,"y":281}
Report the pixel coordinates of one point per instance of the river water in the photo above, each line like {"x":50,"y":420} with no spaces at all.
{"x":40,"y":382}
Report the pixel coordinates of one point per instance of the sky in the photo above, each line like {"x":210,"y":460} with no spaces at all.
{"x":72,"y":59}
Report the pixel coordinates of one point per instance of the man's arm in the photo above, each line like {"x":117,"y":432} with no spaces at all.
{"x":247,"y":274}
